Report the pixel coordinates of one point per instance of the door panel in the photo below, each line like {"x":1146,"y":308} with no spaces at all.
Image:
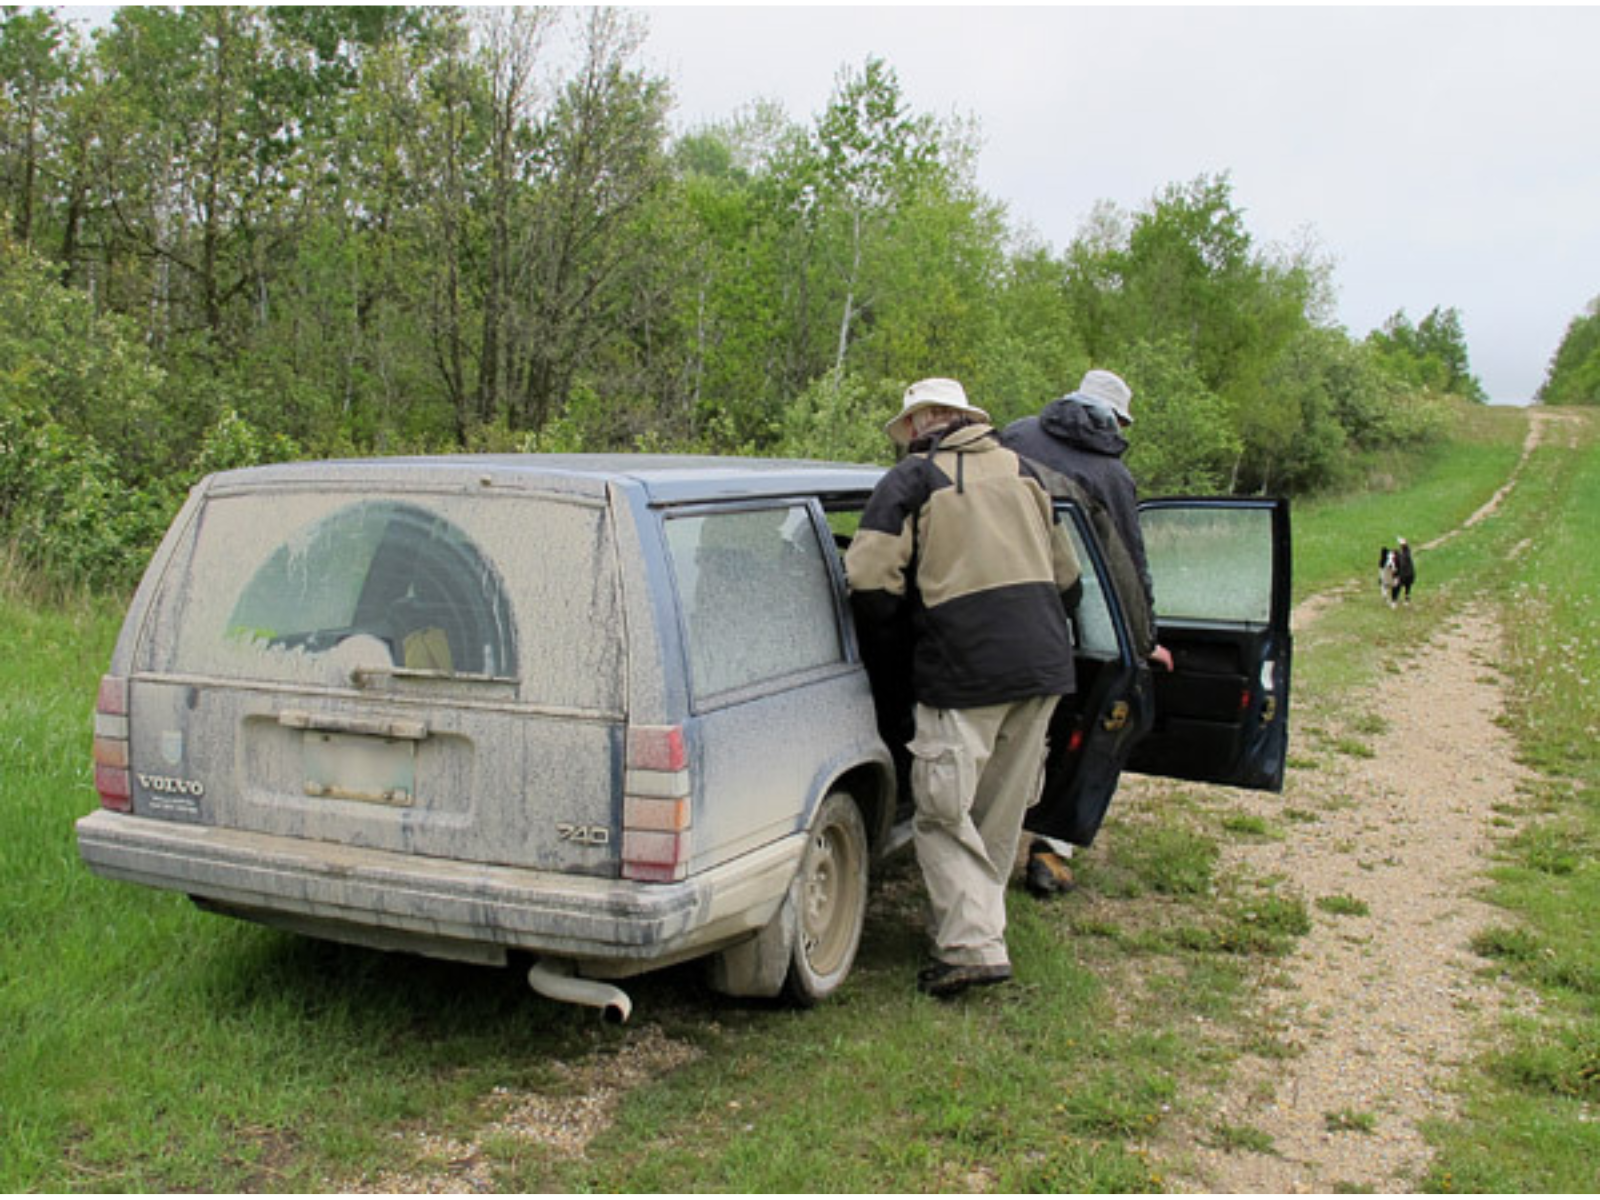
{"x":1221,"y":574}
{"x":1095,"y":729}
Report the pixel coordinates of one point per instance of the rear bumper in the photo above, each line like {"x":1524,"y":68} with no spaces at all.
{"x":440,"y":907}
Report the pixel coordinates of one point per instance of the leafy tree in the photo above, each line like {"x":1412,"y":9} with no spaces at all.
{"x":1429,"y":355}
{"x":1034,"y":349}
{"x":1574,"y":375}
{"x":38,"y":59}
{"x":601,"y":162}
{"x":871,"y":155}
{"x":1183,"y":438}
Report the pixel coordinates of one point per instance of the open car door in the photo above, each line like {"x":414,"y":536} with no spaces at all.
{"x":1094,"y":730}
{"x":1221,"y":573}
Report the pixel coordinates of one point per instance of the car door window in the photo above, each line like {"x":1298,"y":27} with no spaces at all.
{"x":757,"y":595}
{"x":1210,"y":563}
{"x":1093,"y":627}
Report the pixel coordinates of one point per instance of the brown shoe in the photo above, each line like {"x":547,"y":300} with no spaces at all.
{"x":1047,"y":873}
{"x":945,"y":980}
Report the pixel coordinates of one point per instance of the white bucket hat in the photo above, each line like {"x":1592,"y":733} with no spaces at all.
{"x":930,"y":393}
{"x":1102,"y":389}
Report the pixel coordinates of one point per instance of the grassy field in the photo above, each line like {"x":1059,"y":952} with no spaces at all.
{"x":146,"y":1046}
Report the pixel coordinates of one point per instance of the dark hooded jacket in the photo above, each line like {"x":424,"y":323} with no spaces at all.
{"x":1074,"y":440}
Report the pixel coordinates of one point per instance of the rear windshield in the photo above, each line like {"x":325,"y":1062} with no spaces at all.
{"x":347,"y":589}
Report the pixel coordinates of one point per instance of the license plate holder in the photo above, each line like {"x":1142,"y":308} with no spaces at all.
{"x":370,"y":770}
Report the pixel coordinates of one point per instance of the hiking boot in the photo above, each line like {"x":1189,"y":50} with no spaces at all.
{"x":1047,"y":873}
{"x":945,"y":980}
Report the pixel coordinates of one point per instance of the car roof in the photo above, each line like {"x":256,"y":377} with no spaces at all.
{"x":663,"y":478}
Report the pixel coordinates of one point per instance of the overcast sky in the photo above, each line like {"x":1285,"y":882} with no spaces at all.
{"x":1441,"y":156}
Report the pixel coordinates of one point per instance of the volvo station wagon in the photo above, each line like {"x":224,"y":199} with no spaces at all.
{"x":604,"y":712}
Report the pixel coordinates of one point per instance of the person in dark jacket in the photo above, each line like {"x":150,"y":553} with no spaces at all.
{"x":1080,"y":436}
{"x":959,"y":560}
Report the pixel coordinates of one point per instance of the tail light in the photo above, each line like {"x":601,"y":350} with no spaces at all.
{"x":655,"y":805}
{"x":112,"y":777}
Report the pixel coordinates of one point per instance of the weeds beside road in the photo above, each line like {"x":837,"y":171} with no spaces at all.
{"x":146,"y":1046}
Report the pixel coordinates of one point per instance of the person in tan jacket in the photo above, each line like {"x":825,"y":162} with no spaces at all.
{"x":960,"y":577}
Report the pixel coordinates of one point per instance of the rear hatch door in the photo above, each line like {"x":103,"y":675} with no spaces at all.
{"x":434,"y":672}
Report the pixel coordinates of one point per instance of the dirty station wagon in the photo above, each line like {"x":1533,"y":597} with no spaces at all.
{"x":606,"y":712}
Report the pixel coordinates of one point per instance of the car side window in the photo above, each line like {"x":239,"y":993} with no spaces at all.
{"x":757,"y":596}
{"x":1093,"y":627}
{"x":1210,"y":563}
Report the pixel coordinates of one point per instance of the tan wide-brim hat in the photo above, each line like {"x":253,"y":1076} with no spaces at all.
{"x":930,"y":393}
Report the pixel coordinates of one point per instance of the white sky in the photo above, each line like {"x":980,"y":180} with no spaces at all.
{"x":1441,"y":156}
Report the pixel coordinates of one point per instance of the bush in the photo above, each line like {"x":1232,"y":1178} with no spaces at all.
{"x":67,"y":513}
{"x":840,"y":420}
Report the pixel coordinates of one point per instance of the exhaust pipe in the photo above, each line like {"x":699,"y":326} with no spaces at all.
{"x":558,"y":980}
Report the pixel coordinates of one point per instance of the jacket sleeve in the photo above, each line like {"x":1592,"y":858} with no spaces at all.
{"x":880,"y":569}
{"x":879,"y":560}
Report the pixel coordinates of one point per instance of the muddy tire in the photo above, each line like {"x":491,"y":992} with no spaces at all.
{"x":828,"y":900}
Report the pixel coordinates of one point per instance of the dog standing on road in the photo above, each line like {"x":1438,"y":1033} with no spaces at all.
{"x":1396,"y":573}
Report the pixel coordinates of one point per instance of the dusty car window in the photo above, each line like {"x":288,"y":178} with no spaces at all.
{"x":757,"y":597}
{"x":313,"y":588}
{"x":388,"y":571}
{"x":1092,"y":625}
{"x":1210,"y":563}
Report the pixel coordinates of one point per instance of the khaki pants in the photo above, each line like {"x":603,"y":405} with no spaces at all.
{"x":975,"y":772}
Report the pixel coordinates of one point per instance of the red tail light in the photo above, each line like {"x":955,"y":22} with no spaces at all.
{"x":112,"y":777}
{"x":657,"y":748}
{"x":656,"y":808}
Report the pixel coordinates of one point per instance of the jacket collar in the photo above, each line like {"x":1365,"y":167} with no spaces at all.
{"x":973,"y":439}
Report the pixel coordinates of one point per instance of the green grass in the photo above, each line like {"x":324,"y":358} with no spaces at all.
{"x":1344,"y":906}
{"x":1336,"y":540}
{"x":1242,"y":1137}
{"x":1347,"y":1120}
{"x":145,"y":1046}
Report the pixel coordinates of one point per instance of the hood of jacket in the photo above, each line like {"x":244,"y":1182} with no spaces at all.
{"x":1078,"y":425}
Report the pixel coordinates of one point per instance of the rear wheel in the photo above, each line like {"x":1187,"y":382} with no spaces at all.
{"x":828,"y":899}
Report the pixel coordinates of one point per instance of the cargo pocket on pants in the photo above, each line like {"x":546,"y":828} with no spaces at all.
{"x":943,"y":781}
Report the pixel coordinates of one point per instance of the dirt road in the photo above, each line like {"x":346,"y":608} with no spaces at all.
{"x":1384,"y":1000}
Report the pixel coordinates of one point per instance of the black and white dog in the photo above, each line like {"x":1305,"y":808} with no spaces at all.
{"x":1396,"y":573}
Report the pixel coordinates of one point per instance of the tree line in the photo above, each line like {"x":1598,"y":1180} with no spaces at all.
{"x":236,"y":234}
